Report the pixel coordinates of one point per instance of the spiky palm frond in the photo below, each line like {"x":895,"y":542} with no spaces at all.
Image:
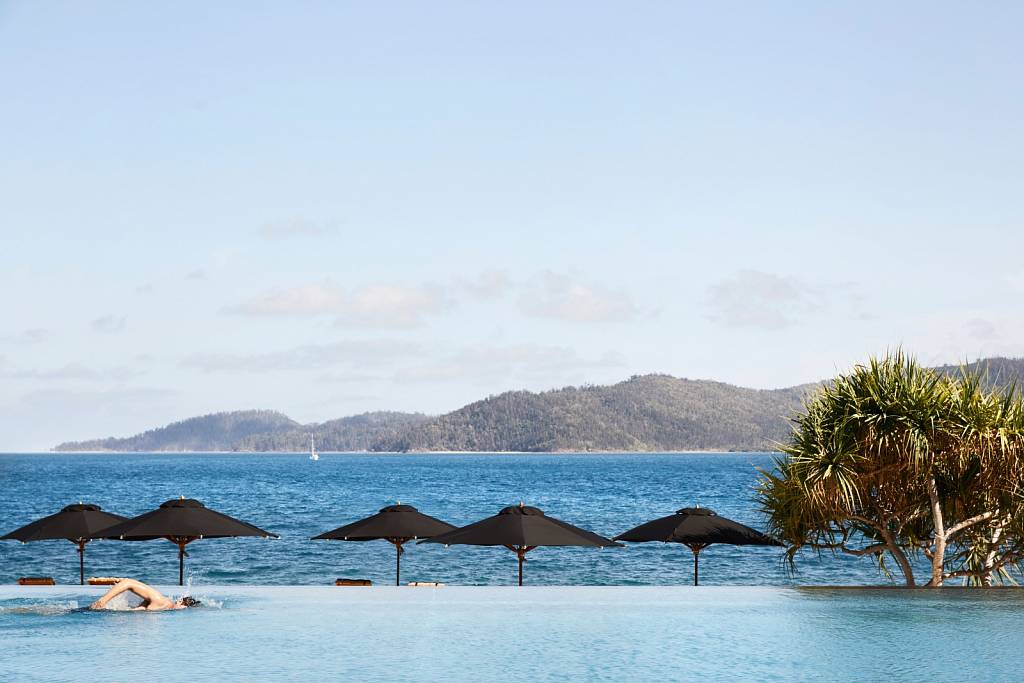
{"x":868,"y":445}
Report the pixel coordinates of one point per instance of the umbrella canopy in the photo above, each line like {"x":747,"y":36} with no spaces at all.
{"x":76,"y":523}
{"x":396,"y":524}
{"x":696,"y":528}
{"x":181,"y":521}
{"x":522,"y":528}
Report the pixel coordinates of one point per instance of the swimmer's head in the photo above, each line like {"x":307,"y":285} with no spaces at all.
{"x":188,"y":601}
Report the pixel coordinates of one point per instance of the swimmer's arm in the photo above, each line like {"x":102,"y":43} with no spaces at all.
{"x":125,"y":585}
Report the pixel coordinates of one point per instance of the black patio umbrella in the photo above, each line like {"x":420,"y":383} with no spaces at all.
{"x":396,"y":524}
{"x":75,"y":523}
{"x":521,"y":528}
{"x":696,"y":528}
{"x":181,"y":521}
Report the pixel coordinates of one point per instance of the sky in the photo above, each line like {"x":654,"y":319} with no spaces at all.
{"x":330,"y":208}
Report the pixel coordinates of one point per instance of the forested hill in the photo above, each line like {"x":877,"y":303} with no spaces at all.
{"x":257,"y":430}
{"x":648,"y":413}
{"x":216,"y":432}
{"x":356,"y":433}
{"x":645,"y":413}
{"x":653,"y":412}
{"x":997,"y":372}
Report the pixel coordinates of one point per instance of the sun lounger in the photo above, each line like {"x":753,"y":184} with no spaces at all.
{"x":353,"y":582}
{"x":36,"y":581}
{"x":426,"y":584}
{"x":102,"y":580}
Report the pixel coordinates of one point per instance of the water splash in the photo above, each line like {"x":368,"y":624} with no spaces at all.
{"x":193,"y":577}
{"x":125,"y":602}
{"x":205,"y":601}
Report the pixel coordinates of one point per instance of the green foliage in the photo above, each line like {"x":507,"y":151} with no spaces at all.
{"x":214,"y":432}
{"x":356,"y":433}
{"x":648,"y":413}
{"x":644,"y":413}
{"x":899,"y":459}
{"x":257,"y":430}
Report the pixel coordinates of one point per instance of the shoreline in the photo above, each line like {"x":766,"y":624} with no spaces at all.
{"x":417,"y":452}
{"x":7,"y":588}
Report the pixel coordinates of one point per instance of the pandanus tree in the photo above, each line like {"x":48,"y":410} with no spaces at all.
{"x":896,"y":461}
{"x":981,"y":487}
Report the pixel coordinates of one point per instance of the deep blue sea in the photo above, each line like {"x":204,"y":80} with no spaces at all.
{"x":296,"y":498}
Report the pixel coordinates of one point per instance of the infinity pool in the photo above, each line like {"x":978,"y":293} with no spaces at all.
{"x":284,"y":633}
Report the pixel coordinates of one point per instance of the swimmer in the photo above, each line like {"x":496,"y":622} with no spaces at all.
{"x":152,"y":599}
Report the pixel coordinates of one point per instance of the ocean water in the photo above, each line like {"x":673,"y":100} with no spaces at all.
{"x":296,"y":498}
{"x":285,"y":633}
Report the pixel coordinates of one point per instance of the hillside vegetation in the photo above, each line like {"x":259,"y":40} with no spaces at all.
{"x":643,"y":413}
{"x":997,"y":372}
{"x":648,"y":413}
{"x":216,"y":432}
{"x":356,"y":433}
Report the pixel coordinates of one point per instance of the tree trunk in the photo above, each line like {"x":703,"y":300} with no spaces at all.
{"x":902,"y":561}
{"x":990,"y":557}
{"x":938,"y":535}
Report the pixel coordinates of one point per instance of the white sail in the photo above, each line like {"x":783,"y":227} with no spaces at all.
{"x":313,"y":455}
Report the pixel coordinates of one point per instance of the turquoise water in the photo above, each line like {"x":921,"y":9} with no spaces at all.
{"x":530,"y":634}
{"x":297,"y":498}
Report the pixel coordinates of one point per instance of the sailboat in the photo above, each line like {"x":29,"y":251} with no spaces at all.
{"x":313,"y":455}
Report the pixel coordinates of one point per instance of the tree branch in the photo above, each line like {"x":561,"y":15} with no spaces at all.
{"x":870,"y":550}
{"x":970,"y":521}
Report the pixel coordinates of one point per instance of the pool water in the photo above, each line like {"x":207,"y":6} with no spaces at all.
{"x":281,"y":633}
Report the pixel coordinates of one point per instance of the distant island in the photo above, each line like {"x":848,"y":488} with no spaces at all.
{"x":643,"y":413}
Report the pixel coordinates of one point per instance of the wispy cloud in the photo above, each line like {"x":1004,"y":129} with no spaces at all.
{"x":563,"y":297}
{"x":196,"y":274}
{"x":753,"y":298}
{"x":378,"y":305}
{"x":488,"y":285}
{"x":76,"y":371}
{"x":980,"y":328}
{"x":34,"y":335}
{"x":354,"y":354}
{"x":292,"y":228}
{"x":348,"y":377}
{"x":109,"y":324}
{"x":528,"y":362}
{"x":85,"y":413}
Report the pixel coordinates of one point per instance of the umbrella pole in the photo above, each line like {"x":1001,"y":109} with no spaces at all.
{"x":696,"y":548}
{"x":520,"y":551}
{"x":81,"y":561}
{"x":398,"y":564}
{"x":180,"y":541}
{"x":397,"y":542}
